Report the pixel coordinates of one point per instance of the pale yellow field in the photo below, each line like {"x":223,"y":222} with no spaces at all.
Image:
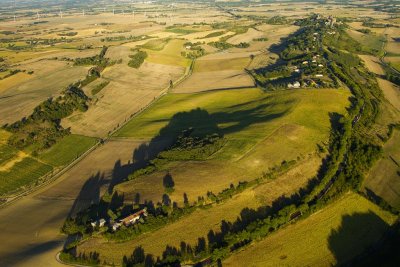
{"x":14,"y":80}
{"x":246,"y":37}
{"x":169,"y":55}
{"x":50,"y":77}
{"x":205,"y":81}
{"x":326,"y":238}
{"x":128,"y":92}
{"x":373,"y":64}
{"x":391,"y":92}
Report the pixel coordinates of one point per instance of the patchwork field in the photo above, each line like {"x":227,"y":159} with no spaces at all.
{"x":135,"y":113}
{"x":329,"y":237}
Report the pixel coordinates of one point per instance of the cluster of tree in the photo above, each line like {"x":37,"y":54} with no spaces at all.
{"x":67,"y":34}
{"x":277,"y":20}
{"x":42,"y":128}
{"x":392,"y":75}
{"x":137,"y":59}
{"x":188,"y":147}
{"x":88,"y":260}
{"x":99,"y":87}
{"x":195,"y":52}
{"x":97,"y":60}
{"x":123,"y":38}
{"x":222,"y":45}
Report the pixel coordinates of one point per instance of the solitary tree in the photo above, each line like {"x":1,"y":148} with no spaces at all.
{"x":168,"y":182}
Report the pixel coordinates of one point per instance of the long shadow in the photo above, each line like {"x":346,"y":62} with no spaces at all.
{"x":201,"y":124}
{"x":89,"y":194}
{"x":357,"y":237}
{"x":28,"y":253}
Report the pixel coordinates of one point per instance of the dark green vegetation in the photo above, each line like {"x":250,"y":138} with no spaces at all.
{"x":99,"y":87}
{"x":97,"y":60}
{"x":195,"y":50}
{"x":179,"y":29}
{"x":42,"y":128}
{"x":214,"y":34}
{"x":137,"y":59}
{"x":120,"y":38}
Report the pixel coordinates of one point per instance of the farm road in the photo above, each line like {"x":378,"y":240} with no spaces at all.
{"x":30,"y":227}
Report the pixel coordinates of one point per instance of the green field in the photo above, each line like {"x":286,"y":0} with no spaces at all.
{"x":6,"y":153}
{"x":67,"y":149}
{"x":155,"y":44}
{"x":166,"y":52}
{"x":384,"y":178}
{"x":261,"y":130}
{"x":332,"y":236}
{"x":21,"y":174}
{"x":371,"y":42}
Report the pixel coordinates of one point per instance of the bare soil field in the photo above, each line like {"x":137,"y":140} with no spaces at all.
{"x":221,"y":70}
{"x":205,"y":81}
{"x":49,"y":79}
{"x":391,"y":91}
{"x":373,"y":64}
{"x":128,"y":92}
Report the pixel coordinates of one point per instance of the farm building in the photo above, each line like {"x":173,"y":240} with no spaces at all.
{"x":99,"y":223}
{"x":131,"y":219}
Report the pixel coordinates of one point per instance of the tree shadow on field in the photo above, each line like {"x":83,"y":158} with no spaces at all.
{"x":89,"y":194}
{"x":359,"y":235}
{"x":201,"y":124}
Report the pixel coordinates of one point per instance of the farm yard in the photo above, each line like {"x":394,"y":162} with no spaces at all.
{"x":234,"y":131}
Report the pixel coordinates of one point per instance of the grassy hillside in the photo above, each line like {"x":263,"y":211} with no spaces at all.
{"x":260,"y":131}
{"x":383,"y":179}
{"x":326,"y":238}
